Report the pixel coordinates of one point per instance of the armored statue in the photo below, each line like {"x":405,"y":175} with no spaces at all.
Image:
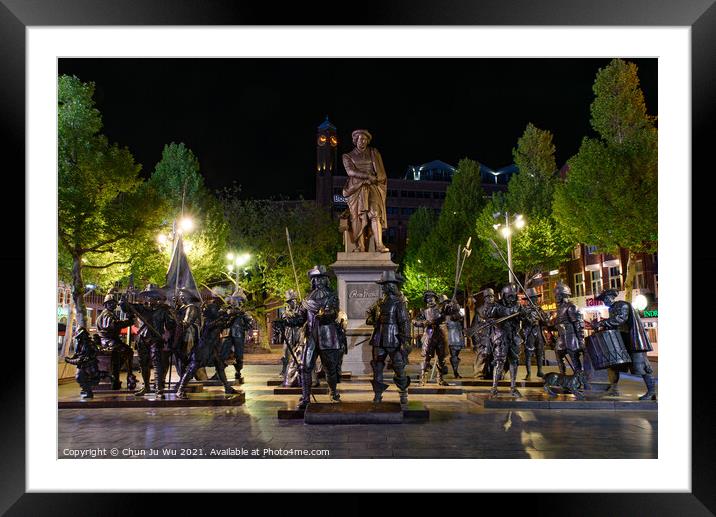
{"x":207,"y":351}
{"x":532,"y":325}
{"x":391,"y":332}
{"x":481,"y":331}
{"x":186,"y":335}
{"x":506,"y":337}
{"x":454,"y":329}
{"x":157,"y":324}
{"x":239,"y":322}
{"x":109,"y":327}
{"x":342,"y":327}
{"x":291,"y":323}
{"x":624,"y":318}
{"x":570,"y":330}
{"x":365,"y":193}
{"x":319,"y":311}
{"x":434,"y":338}
{"x":85,"y":359}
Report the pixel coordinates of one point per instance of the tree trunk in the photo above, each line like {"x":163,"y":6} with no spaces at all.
{"x":629,"y":276}
{"x":78,"y":292}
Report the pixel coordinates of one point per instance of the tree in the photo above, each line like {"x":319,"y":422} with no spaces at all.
{"x":180,"y":185}
{"x":464,"y":200}
{"x":258,"y":227}
{"x":417,"y":276}
{"x":530,"y":191}
{"x":609,"y":197}
{"x":540,"y":245}
{"x":105,"y":211}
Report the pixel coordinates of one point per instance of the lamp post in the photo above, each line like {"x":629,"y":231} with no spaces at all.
{"x":236,"y":261}
{"x":506,"y":231}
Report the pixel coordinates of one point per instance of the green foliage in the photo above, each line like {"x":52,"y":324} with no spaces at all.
{"x":181,"y":187}
{"x":619,"y":111}
{"x":258,"y":227}
{"x":530,"y":191}
{"x":434,"y":254}
{"x":609,"y":198}
{"x":105,"y":212}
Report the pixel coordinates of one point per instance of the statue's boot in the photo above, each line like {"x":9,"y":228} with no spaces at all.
{"x":528,"y":366}
{"x":650,"y":386}
{"x":378,"y":389}
{"x":180,"y":389}
{"x":513,"y":378}
{"x":613,"y":390}
{"x":441,"y":379}
{"x":455,"y":363}
{"x":540,"y":363}
{"x":402,"y":381}
{"x":305,"y":390}
{"x":146,"y":383}
{"x":424,"y":375}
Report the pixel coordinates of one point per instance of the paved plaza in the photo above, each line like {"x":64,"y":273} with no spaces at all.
{"x":458,"y":427}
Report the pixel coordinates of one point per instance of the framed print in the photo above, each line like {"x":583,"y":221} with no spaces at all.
{"x":217,"y":89}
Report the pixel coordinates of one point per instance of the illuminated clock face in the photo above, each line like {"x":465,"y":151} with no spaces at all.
{"x":334,"y":141}
{"x":322,"y":140}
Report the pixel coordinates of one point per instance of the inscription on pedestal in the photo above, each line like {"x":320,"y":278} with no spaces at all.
{"x":361,"y":296}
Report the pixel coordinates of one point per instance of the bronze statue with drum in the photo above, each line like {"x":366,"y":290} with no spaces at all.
{"x":620,"y":343}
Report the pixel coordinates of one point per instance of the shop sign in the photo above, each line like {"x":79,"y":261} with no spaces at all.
{"x":650,"y":314}
{"x":591,"y":302}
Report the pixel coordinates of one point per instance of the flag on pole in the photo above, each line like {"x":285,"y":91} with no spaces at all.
{"x":179,"y":274}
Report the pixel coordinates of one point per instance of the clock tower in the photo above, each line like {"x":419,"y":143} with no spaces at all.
{"x":326,"y":163}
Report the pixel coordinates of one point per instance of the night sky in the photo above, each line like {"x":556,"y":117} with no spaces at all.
{"x":254,"y":121}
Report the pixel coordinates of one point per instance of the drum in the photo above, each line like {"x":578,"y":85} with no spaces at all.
{"x":607,"y":349}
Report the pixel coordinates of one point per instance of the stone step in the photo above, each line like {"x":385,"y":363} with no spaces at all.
{"x":206,"y":399}
{"x":354,"y":413}
{"x":505,"y":401}
{"x":435,"y":390}
{"x":281,"y":390}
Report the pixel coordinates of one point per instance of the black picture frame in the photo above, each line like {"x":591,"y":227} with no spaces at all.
{"x":699,"y":15}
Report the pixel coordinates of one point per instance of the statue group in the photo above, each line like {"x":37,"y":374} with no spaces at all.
{"x":314,"y":329}
{"x":190,"y":335}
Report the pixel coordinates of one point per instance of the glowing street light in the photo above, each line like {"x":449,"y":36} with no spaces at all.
{"x":506,"y":231}
{"x":640,"y":302}
{"x":186,"y":224}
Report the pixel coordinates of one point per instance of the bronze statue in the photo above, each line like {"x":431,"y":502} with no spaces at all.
{"x":319,"y":311}
{"x":157,"y":324}
{"x":624,"y":318}
{"x":391,"y":332}
{"x":481,"y":332}
{"x":207,"y":350}
{"x":365,"y":191}
{"x":434,"y":340}
{"x":535,"y":319}
{"x":507,"y":314}
{"x":570,"y":330}
{"x":109,"y":327}
{"x":186,"y":334}
{"x":85,"y":359}
{"x":293,"y":345}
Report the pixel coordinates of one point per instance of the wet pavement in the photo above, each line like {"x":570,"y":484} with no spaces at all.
{"x":459,"y":427}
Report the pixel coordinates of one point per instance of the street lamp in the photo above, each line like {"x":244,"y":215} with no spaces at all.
{"x":236,"y":262}
{"x":506,"y":230}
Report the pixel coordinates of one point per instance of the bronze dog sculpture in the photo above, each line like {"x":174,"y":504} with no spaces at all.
{"x":569,"y":383}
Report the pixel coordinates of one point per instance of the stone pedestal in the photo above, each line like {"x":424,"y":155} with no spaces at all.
{"x":357,"y":292}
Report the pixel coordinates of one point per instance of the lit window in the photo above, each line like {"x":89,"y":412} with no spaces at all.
{"x":615,"y":278}
{"x":579,"y":284}
{"x":596,"y":282}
